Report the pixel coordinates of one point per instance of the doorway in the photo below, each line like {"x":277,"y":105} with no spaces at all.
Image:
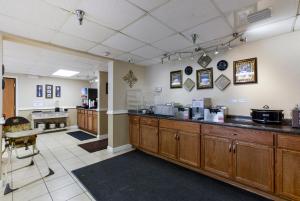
{"x":9,"y":97}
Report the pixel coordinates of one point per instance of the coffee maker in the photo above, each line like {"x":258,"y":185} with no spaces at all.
{"x":198,"y":107}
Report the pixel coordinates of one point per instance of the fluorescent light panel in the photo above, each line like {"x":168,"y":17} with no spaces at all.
{"x":65,"y":73}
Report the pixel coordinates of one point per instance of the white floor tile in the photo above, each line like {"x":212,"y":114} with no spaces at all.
{"x":59,"y":182}
{"x":66,"y":193}
{"x":30,"y":192}
{"x":81,"y":197}
{"x":45,"y":197}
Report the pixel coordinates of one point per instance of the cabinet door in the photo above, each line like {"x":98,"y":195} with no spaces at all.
{"x":79,"y":118}
{"x":134,"y":134}
{"x":95,"y":123}
{"x":218,"y":155}
{"x":288,"y":173}
{"x":89,"y":122}
{"x":149,"y":138}
{"x":168,"y":142}
{"x":254,"y":165}
{"x":189,"y":148}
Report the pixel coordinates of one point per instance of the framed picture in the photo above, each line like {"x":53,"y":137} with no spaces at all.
{"x":39,"y":90}
{"x":222,"y":82}
{"x":49,"y":91}
{"x":245,"y":71}
{"x":176,"y":79}
{"x":205,"y":78}
{"x":57,"y":91}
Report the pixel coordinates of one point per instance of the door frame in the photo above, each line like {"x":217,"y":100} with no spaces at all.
{"x":16,"y":92}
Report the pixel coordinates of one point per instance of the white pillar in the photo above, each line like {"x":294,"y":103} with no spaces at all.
{"x":1,"y":103}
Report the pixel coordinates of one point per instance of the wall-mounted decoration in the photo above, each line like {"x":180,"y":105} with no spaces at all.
{"x":222,"y":65}
{"x":130,"y":78}
{"x":205,"y":78}
{"x":222,"y":82}
{"x":188,"y":70}
{"x":245,"y":71}
{"x":176,"y":79}
{"x":57,"y":91}
{"x":39,"y":90}
{"x":204,"y":60}
{"x":49,"y":91}
{"x":189,"y":84}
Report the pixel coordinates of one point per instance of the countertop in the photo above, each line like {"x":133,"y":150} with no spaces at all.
{"x":241,"y":122}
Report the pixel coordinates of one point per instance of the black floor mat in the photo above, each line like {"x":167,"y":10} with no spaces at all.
{"x":95,"y":145}
{"x":80,"y":135}
{"x":136,"y":176}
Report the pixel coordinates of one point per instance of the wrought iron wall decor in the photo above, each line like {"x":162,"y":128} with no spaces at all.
{"x":130,"y":78}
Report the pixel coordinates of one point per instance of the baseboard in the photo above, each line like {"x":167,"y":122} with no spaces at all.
{"x":73,"y":127}
{"x":118,"y":149}
{"x":103,"y":136}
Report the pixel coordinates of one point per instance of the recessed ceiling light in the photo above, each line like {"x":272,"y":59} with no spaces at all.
{"x":65,"y":73}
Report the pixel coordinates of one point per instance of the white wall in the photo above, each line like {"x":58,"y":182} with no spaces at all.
{"x":26,"y":92}
{"x":278,"y":77}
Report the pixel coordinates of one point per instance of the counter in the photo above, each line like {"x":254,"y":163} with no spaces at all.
{"x":233,"y":122}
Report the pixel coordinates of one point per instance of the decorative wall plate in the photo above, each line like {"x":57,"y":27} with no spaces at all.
{"x":222,"y":65}
{"x":188,"y":70}
{"x":222,"y":82}
{"x":204,"y":60}
{"x":189,"y":84}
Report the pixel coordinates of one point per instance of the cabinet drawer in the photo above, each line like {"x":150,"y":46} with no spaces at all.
{"x":95,"y":113}
{"x":134,"y":119}
{"x":180,"y":125}
{"x":90,"y":112}
{"x":289,"y":142}
{"x":149,"y":121}
{"x":243,"y":134}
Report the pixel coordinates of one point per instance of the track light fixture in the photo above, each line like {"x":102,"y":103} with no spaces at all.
{"x":216,"y":51}
{"x":80,"y":14}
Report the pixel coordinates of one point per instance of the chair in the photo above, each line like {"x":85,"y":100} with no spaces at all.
{"x":17,"y":133}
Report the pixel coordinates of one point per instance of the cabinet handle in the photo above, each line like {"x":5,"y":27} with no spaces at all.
{"x":175,"y":136}
{"x":230,"y":146}
{"x":234,"y":148}
{"x":178,"y":137}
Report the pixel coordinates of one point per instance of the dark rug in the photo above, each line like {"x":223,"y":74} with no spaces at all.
{"x":136,"y":176}
{"x":95,"y":145}
{"x":80,"y":135}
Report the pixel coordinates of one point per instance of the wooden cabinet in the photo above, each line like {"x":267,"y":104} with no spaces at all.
{"x":254,"y":165}
{"x":87,"y":120}
{"x":180,"y":141}
{"x":149,"y":134}
{"x":217,"y":155}
{"x":168,"y":142}
{"x":134,"y":130}
{"x":288,"y":167}
{"x":240,"y":155}
{"x":189,"y":148}
{"x":149,"y":138}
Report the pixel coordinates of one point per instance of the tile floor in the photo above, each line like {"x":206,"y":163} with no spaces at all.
{"x":63,"y":155}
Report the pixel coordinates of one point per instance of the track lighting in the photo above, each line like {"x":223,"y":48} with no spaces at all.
{"x":216,"y":52}
{"x":80,"y":14}
{"x":179,"y":57}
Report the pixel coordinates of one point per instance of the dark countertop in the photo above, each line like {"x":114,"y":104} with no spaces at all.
{"x":241,"y":122}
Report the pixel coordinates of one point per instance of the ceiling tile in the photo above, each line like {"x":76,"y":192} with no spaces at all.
{"x":112,"y":13}
{"x":103,"y":51}
{"x":122,"y":42}
{"x":88,"y":30}
{"x":148,"y":29}
{"x":149,"y":62}
{"x":233,"y":5}
{"x":148,"y":5}
{"x":148,"y":52}
{"x":269,"y":30}
{"x":173,"y":43}
{"x":70,"y":5}
{"x":211,"y":30}
{"x":72,"y":42}
{"x":36,"y":12}
{"x":182,"y":15}
{"x":16,"y":27}
{"x":127,"y":57}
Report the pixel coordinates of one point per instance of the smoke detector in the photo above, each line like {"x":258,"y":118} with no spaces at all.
{"x":80,"y":14}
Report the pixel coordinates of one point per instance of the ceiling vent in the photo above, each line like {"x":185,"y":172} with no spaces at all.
{"x":259,"y":15}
